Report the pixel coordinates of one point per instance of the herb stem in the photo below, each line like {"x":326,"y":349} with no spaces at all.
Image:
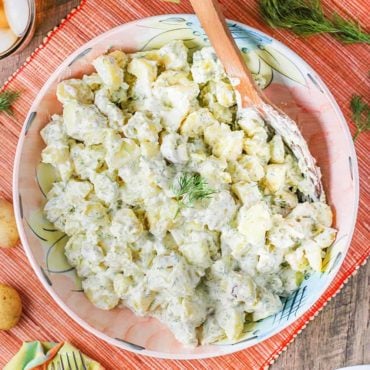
{"x":306,"y":18}
{"x":6,"y":100}
{"x":190,"y":188}
{"x":360,"y":115}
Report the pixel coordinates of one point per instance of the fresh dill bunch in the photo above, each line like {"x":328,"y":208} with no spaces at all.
{"x":349,"y":31}
{"x":190,"y":188}
{"x":360,"y":115}
{"x":306,"y":18}
{"x":6,"y":100}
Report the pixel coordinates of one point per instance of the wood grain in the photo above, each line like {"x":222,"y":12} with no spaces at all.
{"x":339,"y":335}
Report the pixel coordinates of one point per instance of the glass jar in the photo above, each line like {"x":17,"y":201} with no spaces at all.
{"x":17,"y":25}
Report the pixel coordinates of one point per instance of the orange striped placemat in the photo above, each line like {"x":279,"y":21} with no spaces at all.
{"x":343,"y":68}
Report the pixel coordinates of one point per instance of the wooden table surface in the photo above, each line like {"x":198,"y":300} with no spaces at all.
{"x":339,"y":336}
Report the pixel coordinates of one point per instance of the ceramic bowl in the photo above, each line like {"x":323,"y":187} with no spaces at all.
{"x":289,"y":82}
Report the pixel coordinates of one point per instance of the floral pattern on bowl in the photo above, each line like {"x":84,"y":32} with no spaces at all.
{"x":288,"y":81}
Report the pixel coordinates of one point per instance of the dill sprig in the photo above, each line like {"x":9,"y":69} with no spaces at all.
{"x":306,"y":18}
{"x":360,"y":115}
{"x":190,"y":188}
{"x":6,"y":100}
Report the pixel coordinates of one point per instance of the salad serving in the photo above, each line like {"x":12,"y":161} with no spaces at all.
{"x":177,"y":204}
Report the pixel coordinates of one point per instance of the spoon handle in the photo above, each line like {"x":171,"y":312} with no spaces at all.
{"x":214,"y":24}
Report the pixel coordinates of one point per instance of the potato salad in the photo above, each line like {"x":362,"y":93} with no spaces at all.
{"x":177,"y":204}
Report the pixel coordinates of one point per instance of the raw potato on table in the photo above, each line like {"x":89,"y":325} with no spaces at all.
{"x":8,"y":227}
{"x":10,"y":307}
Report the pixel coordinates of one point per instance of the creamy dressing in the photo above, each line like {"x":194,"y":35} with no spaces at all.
{"x":127,"y":135}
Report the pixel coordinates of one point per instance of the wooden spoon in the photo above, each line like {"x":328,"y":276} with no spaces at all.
{"x":214,"y":24}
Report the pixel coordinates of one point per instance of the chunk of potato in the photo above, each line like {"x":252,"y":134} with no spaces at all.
{"x":253,"y":222}
{"x":277,"y":149}
{"x":196,"y":122}
{"x":275,"y":177}
{"x":231,"y":320}
{"x":109,"y":70}
{"x":143,"y":69}
{"x":8,"y":228}
{"x":10,"y":307}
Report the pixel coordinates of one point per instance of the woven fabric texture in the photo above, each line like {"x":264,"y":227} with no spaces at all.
{"x":344,"y":68}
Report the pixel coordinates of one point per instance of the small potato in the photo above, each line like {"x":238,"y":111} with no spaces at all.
{"x":8,"y":228}
{"x":10,"y":307}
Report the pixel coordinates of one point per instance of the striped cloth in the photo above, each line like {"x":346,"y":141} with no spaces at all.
{"x":343,"y":68}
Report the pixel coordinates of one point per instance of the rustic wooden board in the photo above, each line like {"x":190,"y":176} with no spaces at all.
{"x":339,"y":335}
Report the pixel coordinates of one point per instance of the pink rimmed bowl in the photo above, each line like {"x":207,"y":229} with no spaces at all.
{"x":289,"y":82}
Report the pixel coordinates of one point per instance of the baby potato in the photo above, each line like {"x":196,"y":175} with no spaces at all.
{"x":8,"y":228}
{"x":10,"y":307}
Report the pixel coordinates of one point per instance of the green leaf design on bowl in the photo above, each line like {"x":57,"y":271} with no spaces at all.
{"x":280,"y":63}
{"x":45,"y":177}
{"x":261,"y":58}
{"x":52,"y":240}
{"x":56,"y":260}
